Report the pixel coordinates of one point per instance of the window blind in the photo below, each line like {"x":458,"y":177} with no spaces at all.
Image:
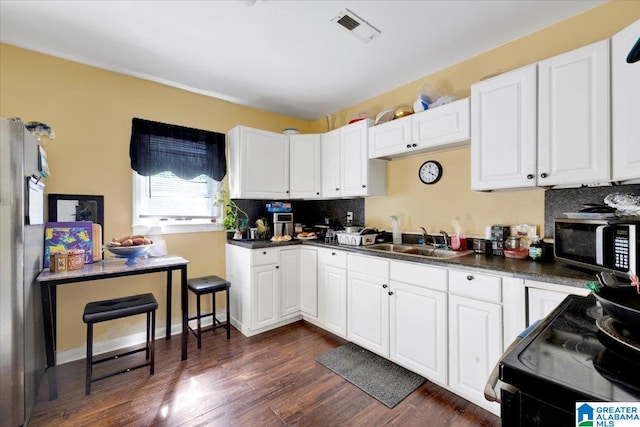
{"x":187,"y":153}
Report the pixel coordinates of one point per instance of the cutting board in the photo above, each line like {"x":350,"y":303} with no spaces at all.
{"x":97,"y":242}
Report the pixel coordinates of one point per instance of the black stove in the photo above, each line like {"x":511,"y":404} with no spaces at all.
{"x":568,"y":358}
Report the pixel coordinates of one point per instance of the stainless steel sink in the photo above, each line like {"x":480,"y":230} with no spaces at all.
{"x":425,"y":251}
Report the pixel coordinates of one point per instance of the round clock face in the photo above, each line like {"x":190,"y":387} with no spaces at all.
{"x":430,"y":172}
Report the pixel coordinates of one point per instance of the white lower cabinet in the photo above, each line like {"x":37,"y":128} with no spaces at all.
{"x":265,"y":287}
{"x":290,"y":281}
{"x":418,"y":319}
{"x":368,"y":303}
{"x":450,"y":326}
{"x":543,"y":298}
{"x":332,"y":291}
{"x":475,"y":334}
{"x":309,"y":282}
{"x":264,"y":295}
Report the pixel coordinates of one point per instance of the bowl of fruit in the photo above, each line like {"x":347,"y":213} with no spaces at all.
{"x":129,"y":247}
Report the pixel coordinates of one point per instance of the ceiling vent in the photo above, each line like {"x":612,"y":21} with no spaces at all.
{"x":356,"y":25}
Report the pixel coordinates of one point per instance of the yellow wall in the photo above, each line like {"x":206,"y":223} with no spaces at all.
{"x":91,"y":110}
{"x":435,"y":206}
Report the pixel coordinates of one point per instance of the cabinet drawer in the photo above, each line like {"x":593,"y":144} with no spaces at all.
{"x":474,"y":285}
{"x":264,"y":256}
{"x":419,"y":275}
{"x":332,"y":257}
{"x":369,"y":265}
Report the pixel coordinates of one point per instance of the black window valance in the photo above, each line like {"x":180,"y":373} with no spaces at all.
{"x":187,"y":153}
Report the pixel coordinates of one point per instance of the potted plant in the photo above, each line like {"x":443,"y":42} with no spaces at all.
{"x":234,"y":218}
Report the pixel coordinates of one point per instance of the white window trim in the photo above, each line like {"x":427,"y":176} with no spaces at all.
{"x":158,"y":227}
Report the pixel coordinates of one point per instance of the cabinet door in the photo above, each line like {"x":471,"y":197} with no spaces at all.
{"x":418,"y":330}
{"x":503,"y":130}
{"x":264,"y":295}
{"x":290,"y":282}
{"x":475,"y":346}
{"x":330,"y":164}
{"x":309,"y":281}
{"x":542,"y":302}
{"x":259,"y":164}
{"x":625,"y":87}
{"x":368,"y":312}
{"x":443,"y":127}
{"x":354,"y":158}
{"x":332,"y":293}
{"x":390,"y":138}
{"x":573,"y":117}
{"x":304,"y":166}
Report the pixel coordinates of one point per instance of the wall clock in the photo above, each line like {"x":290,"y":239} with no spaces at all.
{"x":430,"y":172}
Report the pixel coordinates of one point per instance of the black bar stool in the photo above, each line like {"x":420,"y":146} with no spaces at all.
{"x":101,"y":311}
{"x":208,"y":285}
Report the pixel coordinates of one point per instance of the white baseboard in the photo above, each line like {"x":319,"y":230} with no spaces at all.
{"x":100,"y":347}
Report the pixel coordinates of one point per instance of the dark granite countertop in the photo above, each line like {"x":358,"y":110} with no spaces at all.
{"x":550,"y":272}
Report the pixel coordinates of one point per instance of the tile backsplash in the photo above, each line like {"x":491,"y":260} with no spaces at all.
{"x":556,"y":202}
{"x":308,"y":212}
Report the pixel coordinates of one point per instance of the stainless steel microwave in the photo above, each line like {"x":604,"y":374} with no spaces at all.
{"x":601,"y":245}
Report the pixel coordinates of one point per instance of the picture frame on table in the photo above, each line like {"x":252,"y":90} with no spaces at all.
{"x":76,"y":208}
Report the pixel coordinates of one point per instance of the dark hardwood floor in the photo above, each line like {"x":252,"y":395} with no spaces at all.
{"x":268,"y":380}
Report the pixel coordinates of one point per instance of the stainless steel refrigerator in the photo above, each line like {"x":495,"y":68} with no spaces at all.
{"x":22,"y":360}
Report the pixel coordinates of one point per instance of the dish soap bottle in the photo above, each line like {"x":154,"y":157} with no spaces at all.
{"x":397,"y":236}
{"x":458,"y":240}
{"x":536,"y":249}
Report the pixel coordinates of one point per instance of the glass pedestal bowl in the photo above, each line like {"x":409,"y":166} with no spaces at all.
{"x":129,"y":252}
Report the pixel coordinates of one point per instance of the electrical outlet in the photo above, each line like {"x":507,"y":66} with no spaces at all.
{"x":349,"y":216}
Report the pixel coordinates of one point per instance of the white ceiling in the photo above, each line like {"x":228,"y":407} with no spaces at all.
{"x":282,"y":56}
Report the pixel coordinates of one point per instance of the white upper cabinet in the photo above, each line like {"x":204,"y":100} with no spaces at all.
{"x":625,"y":106}
{"x":552,"y":129}
{"x":503,"y":130}
{"x":304,"y":166}
{"x":269,"y":165}
{"x":574,"y":117}
{"x":359,"y":176}
{"x":442,"y":127}
{"x":390,"y":138}
{"x":330,"y":163}
{"x":258,"y":164}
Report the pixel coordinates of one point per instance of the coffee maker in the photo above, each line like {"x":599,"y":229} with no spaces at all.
{"x":282,"y":223}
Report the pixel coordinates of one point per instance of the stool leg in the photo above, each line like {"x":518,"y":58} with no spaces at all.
{"x":146,"y":354}
{"x":213,"y":309}
{"x":228,"y":316}
{"x":153,"y":341}
{"x":89,"y":368}
{"x":198,"y":320}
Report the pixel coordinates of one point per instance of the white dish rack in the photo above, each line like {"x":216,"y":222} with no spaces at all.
{"x":355,"y":239}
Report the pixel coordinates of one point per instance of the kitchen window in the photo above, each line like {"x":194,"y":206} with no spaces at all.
{"x":177,"y":172}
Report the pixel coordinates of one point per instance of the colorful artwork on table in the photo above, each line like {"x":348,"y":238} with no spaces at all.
{"x":62,"y":236}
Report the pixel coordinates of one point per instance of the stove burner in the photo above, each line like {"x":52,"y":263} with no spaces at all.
{"x":617,"y":332}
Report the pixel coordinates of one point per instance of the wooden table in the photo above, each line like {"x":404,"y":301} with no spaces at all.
{"x":107,"y":269}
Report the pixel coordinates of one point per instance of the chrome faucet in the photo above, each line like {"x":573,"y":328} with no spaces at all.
{"x":425,"y":237}
{"x":445,"y":236}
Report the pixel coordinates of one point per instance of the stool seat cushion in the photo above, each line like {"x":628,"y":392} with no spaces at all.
{"x":207,"y":284}
{"x":100,"y":311}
